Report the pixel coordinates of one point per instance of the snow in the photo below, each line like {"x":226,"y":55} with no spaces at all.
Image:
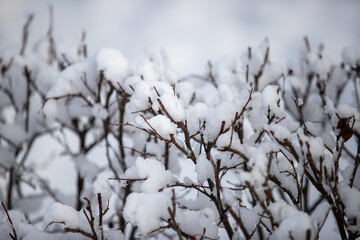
{"x":280,"y":210}
{"x":258,"y":119}
{"x":224,"y":141}
{"x":319,"y":214}
{"x":322,"y":66}
{"x":129,"y":84}
{"x":148,"y":70}
{"x":297,"y":83}
{"x":350,"y":55}
{"x":206,"y":217}
{"x":7,"y":157}
{"x":98,"y":111}
{"x":69,"y":81}
{"x":50,"y":109}
{"x":85,"y":168}
{"x":252,"y":217}
{"x":14,"y":133}
{"x":193,"y":222}
{"x":115,"y":66}
{"x":153,"y":171}
{"x":62,"y":215}
{"x":105,"y":192}
{"x":287,"y":181}
{"x":224,"y":112}
{"x":58,"y":212}
{"x":290,"y":227}
{"x":271,"y":97}
{"x":173,"y":106}
{"x":272,"y":73}
{"x":352,"y":207}
{"x":256,"y":59}
{"x":44,"y":73}
{"x":187,"y":181}
{"x":226,"y":70}
{"x":229,"y":198}
{"x":313,"y":127}
{"x":185,"y":91}
{"x":280,"y":132}
{"x":206,"y":93}
{"x":204,"y":169}
{"x":161,"y":124}
{"x":140,"y":99}
{"x":144,"y":210}
{"x":30,"y":204}
{"x":16,"y":216}
{"x":194,"y":100}
{"x":114,"y":234}
{"x":258,"y":162}
{"x":196,"y":115}
{"x":316,"y":148}
{"x":171,"y":76}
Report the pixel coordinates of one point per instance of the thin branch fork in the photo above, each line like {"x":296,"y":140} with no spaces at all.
{"x":172,"y":213}
{"x":183,"y":127}
{"x":218,"y":201}
{"x":101,"y":214}
{"x":71,"y":95}
{"x":30,"y":81}
{"x":90,"y":218}
{"x":261,"y":70}
{"x":153,"y":129}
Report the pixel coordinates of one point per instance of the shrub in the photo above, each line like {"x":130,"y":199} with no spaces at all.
{"x":248,"y":150}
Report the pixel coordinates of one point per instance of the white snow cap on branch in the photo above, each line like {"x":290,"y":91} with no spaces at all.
{"x":145,"y":210}
{"x":153,"y":173}
{"x":115,"y":66}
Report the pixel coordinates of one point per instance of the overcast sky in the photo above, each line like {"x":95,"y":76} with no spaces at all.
{"x":191,"y":32}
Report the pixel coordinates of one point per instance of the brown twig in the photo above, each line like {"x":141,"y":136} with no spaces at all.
{"x":25,"y":34}
{"x":13,"y":235}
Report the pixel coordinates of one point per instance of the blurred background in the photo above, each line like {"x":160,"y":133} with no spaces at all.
{"x":191,"y":32}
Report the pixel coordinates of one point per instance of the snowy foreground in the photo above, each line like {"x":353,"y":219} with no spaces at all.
{"x":247,"y":150}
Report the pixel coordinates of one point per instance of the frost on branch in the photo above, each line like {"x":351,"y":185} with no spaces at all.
{"x":247,"y":150}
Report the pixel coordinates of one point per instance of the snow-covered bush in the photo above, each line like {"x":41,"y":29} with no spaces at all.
{"x":247,"y":151}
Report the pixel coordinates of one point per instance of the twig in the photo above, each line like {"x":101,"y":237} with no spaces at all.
{"x":172,"y":213}
{"x":128,"y":179}
{"x":26,"y":34}
{"x":13,"y":235}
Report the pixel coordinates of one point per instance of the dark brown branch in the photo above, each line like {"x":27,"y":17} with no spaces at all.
{"x":128,"y":179}
{"x":51,"y":48}
{"x":101,"y":214}
{"x":90,"y":218}
{"x":13,"y":235}
{"x":356,"y":166}
{"x":211,"y":76}
{"x":71,"y":95}
{"x":77,"y":230}
{"x":172,"y":213}
{"x":261,"y":70}
{"x":25,"y":34}
{"x":237,"y":218}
